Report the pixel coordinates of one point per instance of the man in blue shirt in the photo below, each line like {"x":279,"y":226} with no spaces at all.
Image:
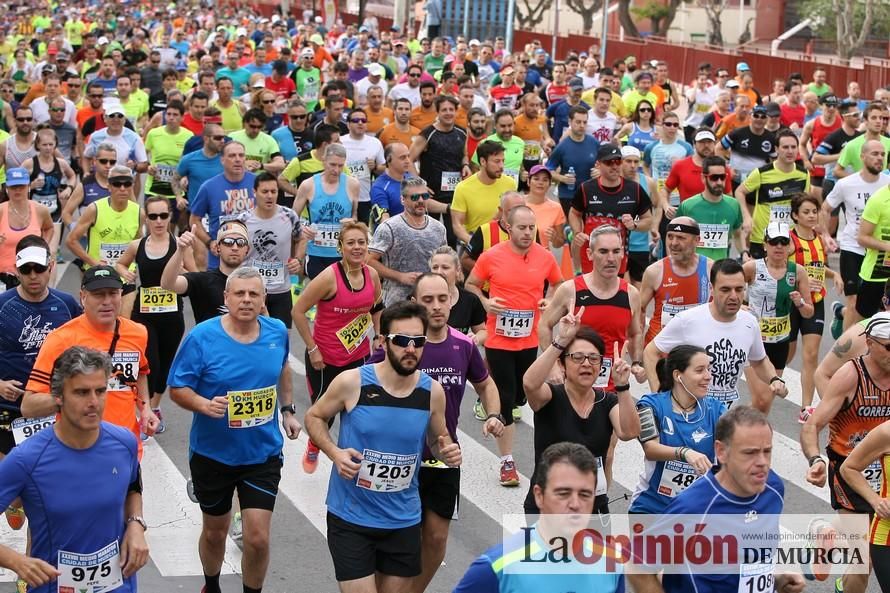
{"x":571,"y":162}
{"x":89,"y":535}
{"x":564,"y":487}
{"x":386,"y":194}
{"x":558,"y":113}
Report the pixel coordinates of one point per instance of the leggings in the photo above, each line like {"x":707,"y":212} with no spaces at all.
{"x":880,"y":562}
{"x":164,"y":334}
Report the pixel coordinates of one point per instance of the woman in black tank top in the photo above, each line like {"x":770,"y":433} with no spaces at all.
{"x":576,"y":411}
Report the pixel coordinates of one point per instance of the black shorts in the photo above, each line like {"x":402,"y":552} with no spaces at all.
{"x":778,"y":353}
{"x":816,"y":181}
{"x":315,"y":264}
{"x":440,"y":490}
{"x":215,"y":484}
{"x":870,"y":299}
{"x":359,"y":552}
{"x":757,"y":251}
{"x":7,"y":442}
{"x":827,"y":186}
{"x":279,"y":306}
{"x":507,"y":368}
{"x":850,"y":264}
{"x":842,"y":496}
{"x":814,"y":325}
{"x":637,"y":262}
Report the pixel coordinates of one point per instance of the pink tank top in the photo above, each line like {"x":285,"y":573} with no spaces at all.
{"x":13,"y":236}
{"x":343,"y":327}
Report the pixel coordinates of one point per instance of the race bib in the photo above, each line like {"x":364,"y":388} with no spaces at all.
{"x":775,"y":329}
{"x":25,"y":428}
{"x":359,"y":169}
{"x":251,"y":408}
{"x":271,"y":271}
{"x":326,"y":235}
{"x":702,"y":108}
{"x":602,"y":486}
{"x":713,"y":236}
{"x":164,"y":173}
{"x":512,"y":173}
{"x":111,"y":252}
{"x":669,"y":311}
{"x":352,"y":335}
{"x":124,"y":371}
{"x":51,"y":201}
{"x":514,"y":323}
{"x":756,"y":578}
{"x":676,"y":477}
{"x":874,"y":475}
{"x":450,"y":179}
{"x":90,"y":573}
{"x":310,"y":93}
{"x":602,"y":380}
{"x":726,"y":397}
{"x":674,"y":198}
{"x":154,"y":299}
{"x":816,"y":276}
{"x":386,"y":472}
{"x":780,"y":213}
{"x":532,"y":151}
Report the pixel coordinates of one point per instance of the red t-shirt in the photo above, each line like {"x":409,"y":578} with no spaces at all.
{"x":556,"y":92}
{"x":192,"y":125}
{"x":505,"y":97}
{"x":685,"y":177}
{"x":792,"y":115}
{"x":283,"y":88}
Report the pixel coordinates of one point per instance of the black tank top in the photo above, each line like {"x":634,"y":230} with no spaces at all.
{"x":444,"y":152}
{"x":150,"y":271}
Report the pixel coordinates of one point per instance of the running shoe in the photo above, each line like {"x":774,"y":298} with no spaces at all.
{"x":837,"y":323}
{"x":839,"y":585}
{"x":190,"y":490}
{"x":517,"y":414}
{"x":15,"y":516}
{"x":310,"y":458}
{"x":162,"y":426}
{"x":143,"y":436}
{"x":21,"y":586}
{"x":479,"y":410}
{"x":237,"y":529}
{"x":509,"y":475}
{"x":805,"y":413}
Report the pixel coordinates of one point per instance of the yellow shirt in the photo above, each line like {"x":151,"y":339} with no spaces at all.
{"x":480,"y":201}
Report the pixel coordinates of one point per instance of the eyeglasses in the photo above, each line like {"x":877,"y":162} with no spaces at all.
{"x":717,"y":177}
{"x":115,"y":115}
{"x":158,"y":215}
{"x":299,"y":116}
{"x":268,"y":101}
{"x":24,"y":119}
{"x":107,"y":161}
{"x":403,"y":341}
{"x":416,"y":197}
{"x":27,"y":269}
{"x":57,"y":109}
{"x":671,"y":124}
{"x":360,"y":120}
{"x":121,"y":183}
{"x":232,"y":242}
{"x":580,"y":357}
{"x":779,"y":241}
{"x":758,"y":115}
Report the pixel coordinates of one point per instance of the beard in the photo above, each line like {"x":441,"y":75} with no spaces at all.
{"x":397,"y":365}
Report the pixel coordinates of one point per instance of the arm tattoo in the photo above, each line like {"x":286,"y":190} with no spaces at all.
{"x":841,"y":349}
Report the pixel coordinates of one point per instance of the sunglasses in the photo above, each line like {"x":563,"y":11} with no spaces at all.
{"x":403,"y":341}
{"x":107,"y":161}
{"x":268,"y":102}
{"x":95,"y":96}
{"x":611,"y":162}
{"x":758,"y":115}
{"x":855,"y":114}
{"x":360,"y":120}
{"x":671,"y":124}
{"x":232,"y":242}
{"x":115,"y":115}
{"x":885,"y":346}
{"x":779,"y":241}
{"x":158,"y":215}
{"x":299,"y":116}
{"x":717,"y":177}
{"x":218,"y":138}
{"x":580,"y":357}
{"x":418,"y":197}
{"x":27,"y":269}
{"x":74,"y":86}
{"x":121,"y":183}
{"x":414,"y":76}
{"x":645,"y":110}
{"x":57,"y":109}
{"x":23,"y":119}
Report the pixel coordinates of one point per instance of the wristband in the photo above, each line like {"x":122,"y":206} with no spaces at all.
{"x":776,"y":378}
{"x":498,"y":417}
{"x":815,"y":459}
{"x":637,"y":363}
{"x":313,"y":350}
{"x":558,"y":346}
{"x":288,"y":408}
{"x":625,"y":387}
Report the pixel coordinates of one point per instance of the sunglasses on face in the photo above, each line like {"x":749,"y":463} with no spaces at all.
{"x":268,"y":101}
{"x":611,"y":162}
{"x":855,"y":114}
{"x":121,"y":183}
{"x":758,"y":115}
{"x":95,"y":96}
{"x":232,"y":242}
{"x":106,"y":161}
{"x":57,"y":109}
{"x":418,"y":197}
{"x":645,"y":110}
{"x":158,"y":215}
{"x":717,"y":177}
{"x":24,"y":119}
{"x":414,"y":76}
{"x":218,"y":138}
{"x":580,"y":357}
{"x":299,"y":116}
{"x":28,"y":269}
{"x":403,"y":341}
{"x":882,"y":344}
{"x":359,"y":120}
{"x":779,"y":241}
{"x":671,"y":124}
{"x":115,"y":116}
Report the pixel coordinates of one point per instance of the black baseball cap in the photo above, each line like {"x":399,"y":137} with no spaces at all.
{"x":99,"y":277}
{"x":608,"y":152}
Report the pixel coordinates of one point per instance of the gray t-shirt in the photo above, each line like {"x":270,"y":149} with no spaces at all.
{"x":405,"y":249}
{"x":270,"y":245}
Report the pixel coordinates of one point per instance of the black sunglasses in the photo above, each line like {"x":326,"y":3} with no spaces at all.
{"x":121,"y":183}
{"x":24,"y":119}
{"x":416,"y":197}
{"x":779,"y":241}
{"x":157,"y":215}
{"x":716,"y":177}
{"x":299,"y":116}
{"x":106,"y":161}
{"x":403,"y":341}
{"x":27,"y":269}
{"x":885,"y":346}
{"x":232,"y":241}
{"x":758,"y":115}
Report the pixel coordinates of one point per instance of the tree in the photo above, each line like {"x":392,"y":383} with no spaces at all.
{"x":627,"y":22}
{"x":587,"y":11}
{"x":662,"y":15}
{"x":714,"y":11}
{"x":530,"y":13}
{"x":855,"y":21}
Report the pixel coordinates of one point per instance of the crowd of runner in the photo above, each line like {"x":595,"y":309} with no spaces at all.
{"x":424,"y":213}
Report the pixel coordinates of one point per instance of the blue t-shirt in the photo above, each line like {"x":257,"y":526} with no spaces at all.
{"x":222,"y":200}
{"x":74,"y":498}
{"x":654,"y":493}
{"x":660,"y":157}
{"x":212,"y":363}
{"x":386,"y":193}
{"x":638,"y":241}
{"x":265,"y":69}
{"x":578,"y":155}
{"x":491,"y":573}
{"x":198,"y":168}
{"x":23,"y":327}
{"x":706,"y":498}
{"x":239,"y":76}
{"x":558,"y":113}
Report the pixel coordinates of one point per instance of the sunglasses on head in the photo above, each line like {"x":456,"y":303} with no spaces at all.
{"x":121,"y":183}
{"x":233,"y":241}
{"x":158,"y":215}
{"x":27,"y":269}
{"x":403,"y":341}
{"x":779,"y":241}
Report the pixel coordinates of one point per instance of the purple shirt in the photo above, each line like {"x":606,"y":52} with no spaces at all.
{"x":356,"y":75}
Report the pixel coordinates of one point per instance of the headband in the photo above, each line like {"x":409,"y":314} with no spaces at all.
{"x":683,"y":228}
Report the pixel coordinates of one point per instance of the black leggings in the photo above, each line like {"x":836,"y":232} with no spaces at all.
{"x":164,"y":334}
{"x":880,"y":563}
{"x":319,"y":380}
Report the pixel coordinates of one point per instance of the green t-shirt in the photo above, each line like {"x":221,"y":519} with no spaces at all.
{"x":770,"y":191}
{"x":876,"y":265}
{"x":632,"y":98}
{"x":433,"y":64}
{"x":513,"y":155}
{"x":717,"y":222}
{"x":819,"y":90}
{"x":262,"y":148}
{"x":165,"y":150}
{"x":850,"y":155}
{"x":308,"y":86}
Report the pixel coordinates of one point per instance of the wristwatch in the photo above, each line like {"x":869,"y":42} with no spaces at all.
{"x":776,"y":378}
{"x":288,"y":408}
{"x":137,"y":519}
{"x":498,"y":417}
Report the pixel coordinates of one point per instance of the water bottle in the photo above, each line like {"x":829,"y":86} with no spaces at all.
{"x":571,"y":173}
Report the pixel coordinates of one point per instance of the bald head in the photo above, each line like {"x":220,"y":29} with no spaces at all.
{"x":509,"y":201}
{"x":873,"y":156}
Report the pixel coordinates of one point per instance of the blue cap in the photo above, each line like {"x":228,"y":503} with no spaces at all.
{"x":742,"y":67}
{"x":181,"y":65}
{"x":17,"y":176}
